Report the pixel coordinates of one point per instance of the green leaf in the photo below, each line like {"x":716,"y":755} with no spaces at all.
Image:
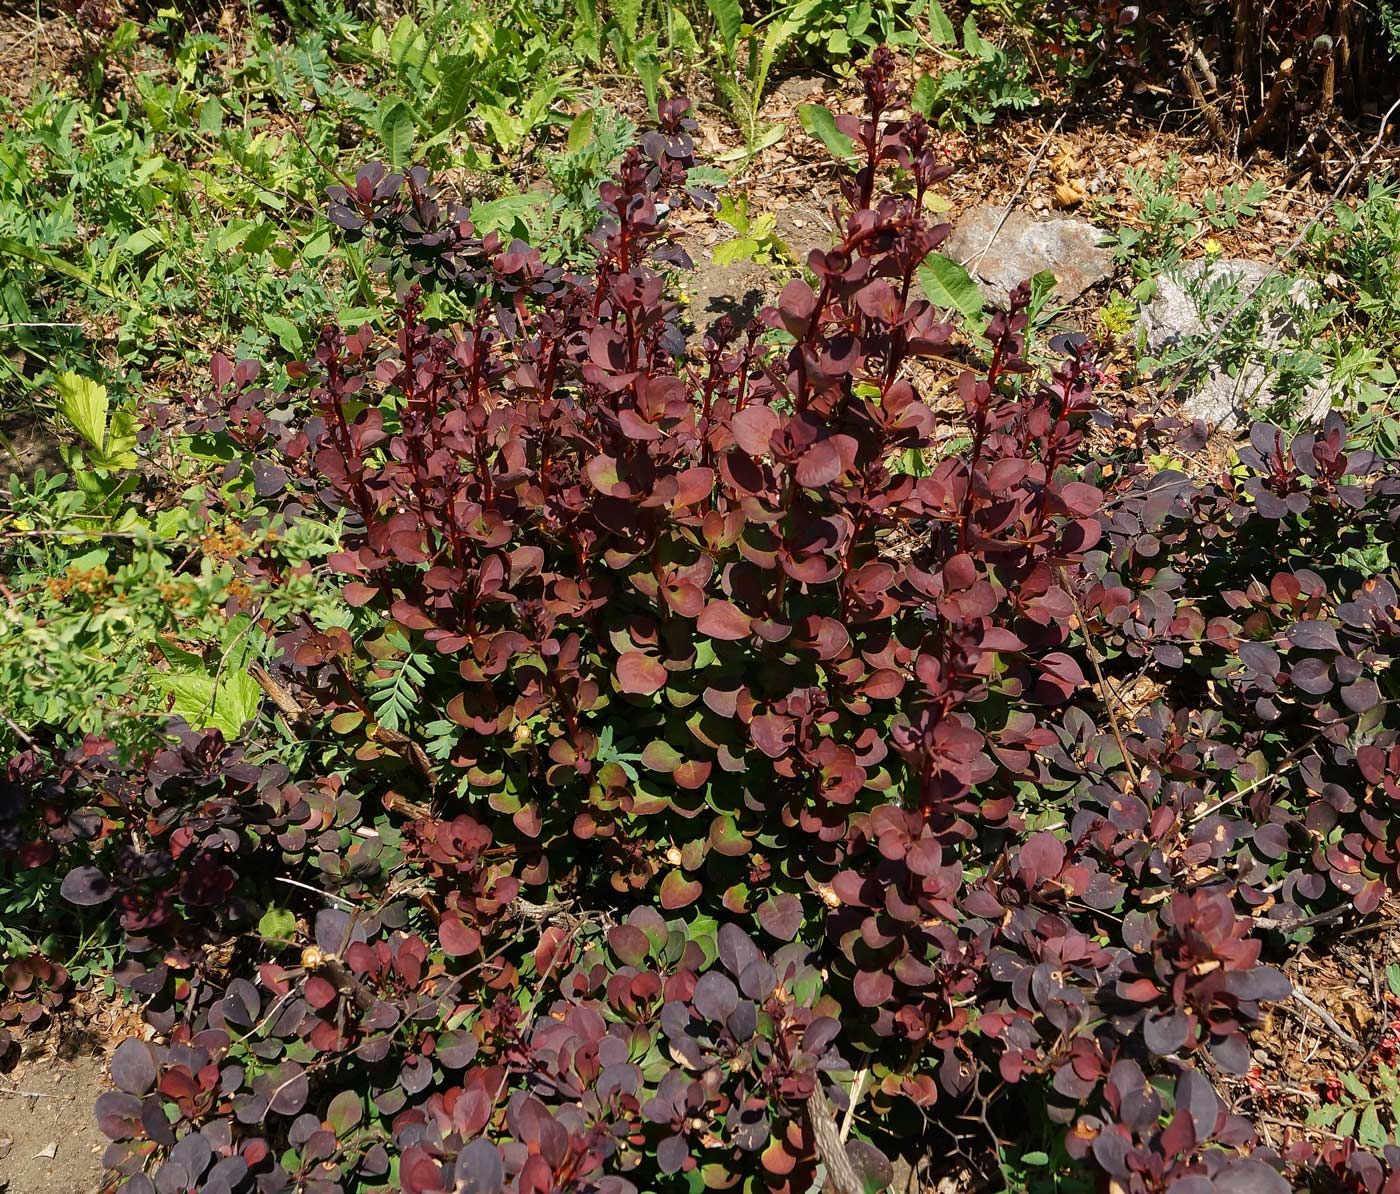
{"x":925,"y":94}
{"x":287,"y":333}
{"x":397,"y":128}
{"x":1369,"y":1130}
{"x":120,"y":449}
{"x":648,"y":68}
{"x":1353,"y":1085}
{"x":739,"y":248}
{"x":948,"y":285}
{"x":581,"y":130}
{"x":84,"y":404}
{"x":454,"y":96}
{"x":179,"y":658}
{"x":941,"y":30}
{"x":628,"y":15}
{"x":408,"y":49}
{"x":211,"y":117}
{"x":141,"y":240}
{"x":508,"y":214}
{"x":507,"y":129}
{"x":1035,"y":1158}
{"x":277,"y":924}
{"x":821,"y":124}
{"x":680,"y":34}
{"x":729,"y":17}
{"x":226,"y":708}
{"x":973,"y":42}
{"x":777,"y":36}
{"x":1392,"y":978}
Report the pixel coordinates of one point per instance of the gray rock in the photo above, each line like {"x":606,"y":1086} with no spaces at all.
{"x":1173,"y":314}
{"x":1000,"y":259}
{"x":1172,"y":320}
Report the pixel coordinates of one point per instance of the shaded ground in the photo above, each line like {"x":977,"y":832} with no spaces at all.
{"x":49,"y":1142}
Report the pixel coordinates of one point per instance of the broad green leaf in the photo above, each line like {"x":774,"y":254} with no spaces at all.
{"x":287,"y":333}
{"x":316,"y":247}
{"x":141,"y":240}
{"x":242,"y":642}
{"x":507,"y":129}
{"x":946,"y":284}
{"x":628,"y":16}
{"x":729,"y":17}
{"x":211,"y":117}
{"x":537,"y":106}
{"x":408,"y":49}
{"x":459,"y":80}
{"x":277,"y":924}
{"x":227,"y":708}
{"x":925,"y":94}
{"x":178,"y":658}
{"x":120,"y":449}
{"x":740,"y":248}
{"x":508,"y":214}
{"x":779,"y":32}
{"x":821,"y":124}
{"x":680,"y":34}
{"x":581,"y":130}
{"x":84,"y":404}
{"x":1369,"y":1130}
{"x":648,"y":68}
{"x":973,"y":42}
{"x":49,"y":261}
{"x":941,"y":30}
{"x":397,"y":127}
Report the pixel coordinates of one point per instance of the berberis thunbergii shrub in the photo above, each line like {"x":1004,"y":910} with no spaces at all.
{"x":712,"y":735}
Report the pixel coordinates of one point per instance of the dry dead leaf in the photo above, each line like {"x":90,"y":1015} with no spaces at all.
{"x":1070,"y":194}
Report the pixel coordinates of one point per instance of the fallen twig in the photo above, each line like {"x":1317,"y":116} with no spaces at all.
{"x":1015,"y":195}
{"x":325,"y":895}
{"x":1341,"y":1033}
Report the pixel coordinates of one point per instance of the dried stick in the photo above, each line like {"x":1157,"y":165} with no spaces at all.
{"x":856,"y":1088}
{"x":277,"y":694}
{"x":1015,"y":195}
{"x":1261,"y":123}
{"x":1193,"y":87}
{"x":1342,"y":1034}
{"x":841,"y":1175}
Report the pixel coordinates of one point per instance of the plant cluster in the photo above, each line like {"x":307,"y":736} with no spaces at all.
{"x":716,"y":766}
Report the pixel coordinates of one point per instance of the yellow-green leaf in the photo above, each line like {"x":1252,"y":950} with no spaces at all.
{"x":84,"y":404}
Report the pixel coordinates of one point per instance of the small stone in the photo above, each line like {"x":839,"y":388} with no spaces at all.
{"x":1023,"y":246}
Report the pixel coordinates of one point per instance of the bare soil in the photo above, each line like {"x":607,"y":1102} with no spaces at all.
{"x":49,"y":1142}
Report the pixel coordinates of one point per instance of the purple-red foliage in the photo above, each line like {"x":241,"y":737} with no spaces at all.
{"x":757,"y":641}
